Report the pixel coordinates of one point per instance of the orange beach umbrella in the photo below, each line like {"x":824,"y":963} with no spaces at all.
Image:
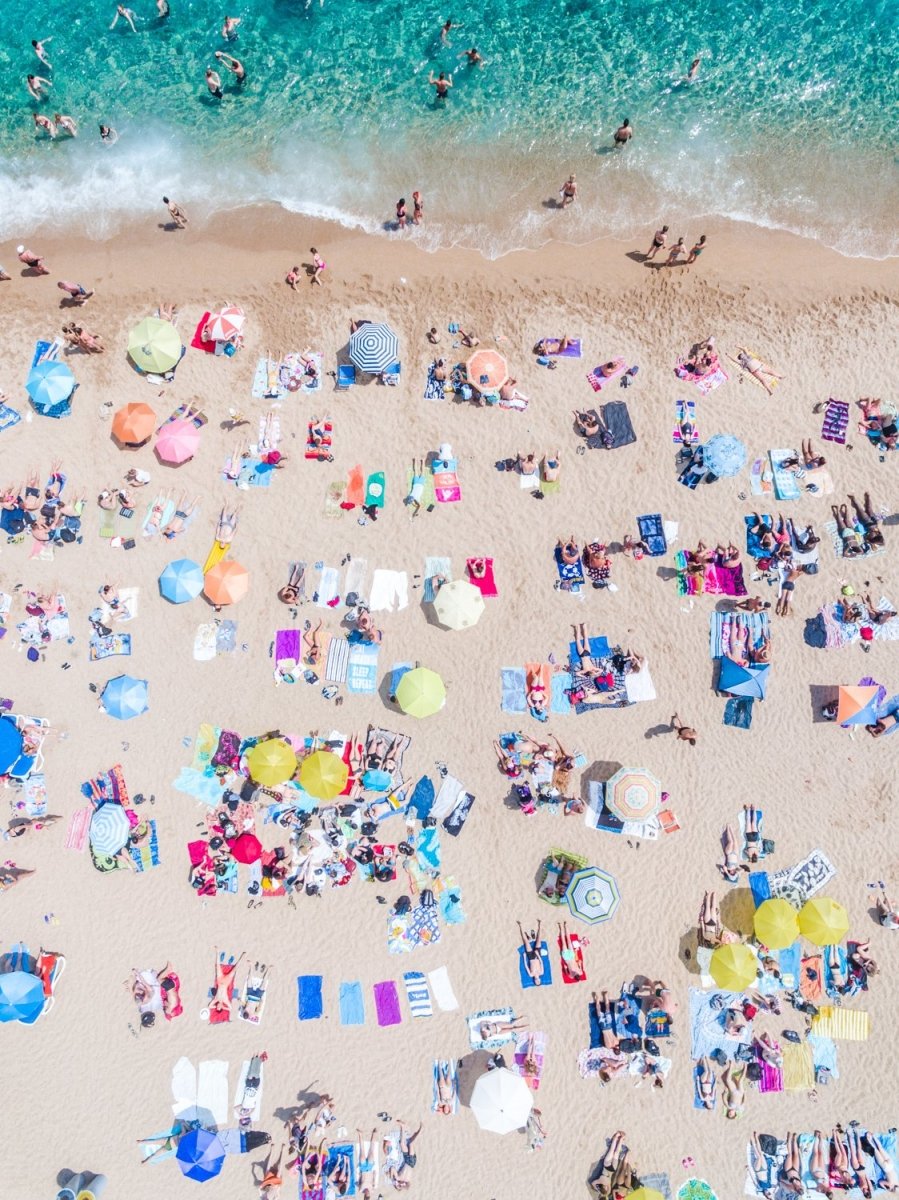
{"x":853,"y":703}
{"x":487,"y":370}
{"x":226,"y":583}
{"x":133,"y":424}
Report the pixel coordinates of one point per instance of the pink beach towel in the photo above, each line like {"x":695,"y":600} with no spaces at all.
{"x":598,"y":381}
{"x":387,"y":1003}
{"x":724,"y":581}
{"x":486,"y":584}
{"x":76,"y":836}
{"x":772,"y":1079}
{"x":446,"y":487}
{"x":704,"y":383}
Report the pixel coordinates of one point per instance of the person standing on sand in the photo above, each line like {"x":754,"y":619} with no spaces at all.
{"x":41,"y":52}
{"x":32,"y":260}
{"x":234,"y":65}
{"x":214,"y":83}
{"x":441,"y":83}
{"x":684,"y":732}
{"x":78,"y":292}
{"x":177,"y":213}
{"x":568,"y":191}
{"x":45,"y":123}
{"x":624,"y":132}
{"x":675,"y":252}
{"x":696,"y":250}
{"x":658,"y":243}
{"x":36,"y":85}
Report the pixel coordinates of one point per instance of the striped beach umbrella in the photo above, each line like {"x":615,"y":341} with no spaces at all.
{"x":226,"y":325}
{"x":593,"y":895}
{"x":109,"y":829}
{"x":633,"y":794}
{"x":374,"y":347}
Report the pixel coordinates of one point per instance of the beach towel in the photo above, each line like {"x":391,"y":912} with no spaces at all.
{"x":842,"y":1024}
{"x":572,"y":350}
{"x":435,"y":565}
{"x":786,"y":485}
{"x":146,"y":854}
{"x":418,"y":994}
{"x":546,"y":976}
{"x":753,"y":546}
{"x":687,"y":584}
{"x":374,"y":490}
{"x":652,"y":532}
{"x":486,"y":584}
{"x":327,"y":590}
{"x":824,"y":1053}
{"x":836,"y":422}
{"x":9,"y":417}
{"x":617,"y":420}
{"x":309,"y":997}
{"x":345,"y":1153}
{"x":442,"y":990}
{"x":599,"y":648}
{"x":319,"y":444}
{"x":724,"y":581}
{"x":108,"y":645}
{"x":704,"y":383}
{"x":707,"y":1027}
{"x":771,"y":381}
{"x":531,"y":1078}
{"x":598,"y":381}
{"x":352,"y":1007}
{"x":811,"y":978}
{"x":567,"y":976}
{"x":738,"y":712}
{"x":362,"y":668}
{"x":697,"y":1102}
{"x":684,"y":410}
{"x":798,"y":1074}
{"x":387,"y":1003}
{"x":79,"y":824}
{"x":761,"y":479}
{"x":830,"y":528}
{"x":197,"y":340}
{"x":444,"y":1068}
{"x":772,"y":1079}
{"x":488,"y":1016}
{"x":447,"y":489}
{"x":571,"y":575}
{"x":638,"y":685}
{"x":389,"y":591}
{"x":212,"y":1091}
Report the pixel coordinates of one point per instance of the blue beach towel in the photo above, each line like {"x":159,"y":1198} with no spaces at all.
{"x":752,"y":539}
{"x":427,"y":849}
{"x":824,"y":1053}
{"x":652,"y":532}
{"x":571,"y":574}
{"x":559,"y":688}
{"x":697,"y":1103}
{"x":760,"y":886}
{"x":352,"y":1006}
{"x":546,"y":978}
{"x":345,"y":1151}
{"x":422,"y":799}
{"x":362,"y":668}
{"x":786,"y":485}
{"x":513,"y":699}
{"x":8,"y":417}
{"x":397,"y":671}
{"x":738,"y":712}
{"x":599,"y":648}
{"x":309,"y":997}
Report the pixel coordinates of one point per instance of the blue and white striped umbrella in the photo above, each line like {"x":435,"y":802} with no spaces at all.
{"x":110,"y":829}
{"x":592,"y":895}
{"x":374,"y":348}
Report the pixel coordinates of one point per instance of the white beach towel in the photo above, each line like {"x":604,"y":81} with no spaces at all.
{"x":639,"y":686}
{"x":357,"y":579}
{"x":442,"y":990}
{"x":247,"y":1105}
{"x":184,"y":1089}
{"x":447,"y":797}
{"x":328,"y":586}
{"x":389,"y":591}
{"x":212,"y":1091}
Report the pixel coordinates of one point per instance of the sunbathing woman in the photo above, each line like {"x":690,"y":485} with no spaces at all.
{"x":604,"y":1008}
{"x":730,"y":868}
{"x":710,"y":927}
{"x":290,"y":593}
{"x":533,"y":959}
{"x":887,"y":913}
{"x":857,"y":1162}
{"x":601,"y":1183}
{"x":761,"y":1166}
{"x":548,"y":346}
{"x":313,"y":645}
{"x":819,"y":1163}
{"x":168,"y":1144}
{"x":756,"y":368}
{"x":804,"y":541}
{"x":569,"y":551}
{"x":340,"y":1177}
{"x":890,"y":1180}
{"x":861,"y":958}
{"x":313,"y":1169}
{"x":183,"y":511}
{"x":536,"y":696}
{"x":488,"y":1030}
{"x":227,"y":526}
{"x":853,"y":543}
{"x":768,"y":1050}
{"x":790,"y":1174}
{"x":706,"y":1081}
{"x":865,"y":514}
{"x":587,"y":424}
{"x":838,"y":978}
{"x":732,"y":1079}
{"x":446,"y":1091}
{"x":840,"y":1158}
{"x":569,"y":954}
{"x":597,"y":563}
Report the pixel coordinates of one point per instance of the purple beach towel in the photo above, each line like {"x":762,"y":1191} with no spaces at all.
{"x":287,"y":645}
{"x":573,"y":349}
{"x":387,"y":1003}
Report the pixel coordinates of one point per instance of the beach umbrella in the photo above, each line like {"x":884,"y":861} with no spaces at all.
{"x":857,"y":705}
{"x":125,"y":697}
{"x":823,"y":921}
{"x":10,"y":744}
{"x":177,"y":442}
{"x":459,"y":604}
{"x":182,"y":580}
{"x":776,"y":923}
{"x":200,"y":1155}
{"x":271,"y":762}
{"x":226,"y":583}
{"x":743,"y":681}
{"x":421,"y":692}
{"x":50,"y":386}
{"x":724,"y":455}
{"x":154,"y":345}
{"x":374,"y":347}
{"x":246,"y":848}
{"x":633,"y":794}
{"x":226,"y":325}
{"x":110,"y":829}
{"x":501,"y":1101}
{"x":133,"y":424}
{"x":733,"y":967}
{"x":593,"y":895}
{"x":487,"y":370}
{"x":323,"y":774}
{"x":21,"y":997}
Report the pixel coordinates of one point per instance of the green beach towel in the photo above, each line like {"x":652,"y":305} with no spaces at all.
{"x":374,"y":490}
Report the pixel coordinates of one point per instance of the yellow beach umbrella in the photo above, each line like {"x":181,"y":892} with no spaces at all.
{"x":271,"y":762}
{"x":323,"y":775}
{"x":776,"y":924}
{"x":823,"y":921}
{"x":421,"y":692}
{"x":154,"y":345}
{"x":733,"y":967}
{"x":459,"y":604}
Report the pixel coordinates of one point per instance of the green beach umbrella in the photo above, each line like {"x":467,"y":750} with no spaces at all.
{"x":421,"y":693}
{"x":154,"y":345}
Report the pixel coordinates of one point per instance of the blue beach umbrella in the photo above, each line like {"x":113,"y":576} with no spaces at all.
{"x":10,"y":744}
{"x":200,"y":1155}
{"x":743,"y":681}
{"x":724,"y":455}
{"x":125,"y":697}
{"x":50,"y":386}
{"x":21,"y":997}
{"x":374,"y":348}
{"x":182,"y":580}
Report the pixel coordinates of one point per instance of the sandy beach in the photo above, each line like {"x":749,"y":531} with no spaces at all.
{"x":86,"y":1082}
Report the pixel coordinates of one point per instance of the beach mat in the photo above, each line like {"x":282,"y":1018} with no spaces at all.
{"x":617,"y":420}
{"x":387,"y":1003}
{"x":309,"y":997}
{"x":652,"y":532}
{"x":352,"y":1006}
{"x":836,"y":422}
{"x":786,"y":485}
{"x":546,"y":977}
{"x":598,"y":381}
{"x":846,"y":1024}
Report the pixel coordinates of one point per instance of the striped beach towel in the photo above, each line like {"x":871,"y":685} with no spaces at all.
{"x":836,"y":421}
{"x":798,"y":1068}
{"x":146,"y":855}
{"x":418,"y":994}
{"x":76,"y":836}
{"x":687,"y":585}
{"x":846,"y":1024}
{"x":337,"y":660}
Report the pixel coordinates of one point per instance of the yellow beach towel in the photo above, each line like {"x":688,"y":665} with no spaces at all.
{"x":798,"y":1068}
{"x":852,"y":1025}
{"x":216,"y":554}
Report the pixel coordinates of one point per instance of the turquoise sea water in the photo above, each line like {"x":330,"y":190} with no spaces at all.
{"x":792,"y":121}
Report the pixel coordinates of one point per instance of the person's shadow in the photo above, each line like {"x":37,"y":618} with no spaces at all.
{"x":552,"y":202}
{"x":169,"y":226}
{"x":638,"y":256}
{"x":657,"y":731}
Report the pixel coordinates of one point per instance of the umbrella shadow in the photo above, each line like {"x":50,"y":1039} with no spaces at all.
{"x":819,"y":695}
{"x":737,"y":910}
{"x":469,"y":1070}
{"x":686,"y":949}
{"x":600,"y":771}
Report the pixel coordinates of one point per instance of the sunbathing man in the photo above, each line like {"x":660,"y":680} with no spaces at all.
{"x":398,"y":1175}
{"x":730,"y":867}
{"x":604,"y":1008}
{"x":251,"y":1007}
{"x":290,"y":593}
{"x":550,"y":466}
{"x":183,"y":512}
{"x":509,"y":392}
{"x":877,"y":616}
{"x":861,"y":958}
{"x":416,"y":487}
{"x":755,"y":367}
{"x":706,"y":1081}
{"x":533,"y":958}
{"x":866,"y":516}
{"x":569,"y":954}
{"x":527,"y":464}
{"x":601,"y":1183}
{"x":224,"y":984}
{"x":227,"y":526}
{"x":751,"y":830}
{"x":588,"y":424}
{"x":312,"y":642}
{"x":887,"y":913}
{"x":366,"y":626}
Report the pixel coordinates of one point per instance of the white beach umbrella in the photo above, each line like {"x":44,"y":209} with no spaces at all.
{"x":501,"y":1101}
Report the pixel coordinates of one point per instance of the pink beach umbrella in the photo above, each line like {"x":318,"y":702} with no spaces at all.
{"x":177,"y":442}
{"x":226,"y":325}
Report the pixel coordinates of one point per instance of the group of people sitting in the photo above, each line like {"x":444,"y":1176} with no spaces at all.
{"x":41,"y":509}
{"x":624,"y":1031}
{"x":614,"y":1177}
{"x":594,"y":558}
{"x":550,"y":768}
{"x":861,"y":533}
{"x":155,"y":992}
{"x":879,"y":426}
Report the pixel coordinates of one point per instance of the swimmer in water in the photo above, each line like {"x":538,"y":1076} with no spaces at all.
{"x":229,"y":28}
{"x":162,"y":7}
{"x":36,"y":85}
{"x":445,"y":32}
{"x":127,"y":14}
{"x":45,"y":123}
{"x":214,"y":83}
{"x":234,"y":65}
{"x":68,"y":124}
{"x":441,"y":83}
{"x":694,"y":69}
{"x":624,"y":132}
{"x":108,"y":135}
{"x":41,"y":52}
{"x":474,"y":59}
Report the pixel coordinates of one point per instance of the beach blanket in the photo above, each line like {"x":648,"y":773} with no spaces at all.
{"x":8,"y":417}
{"x":724,"y":626}
{"x":761,"y":480}
{"x":836,"y":422}
{"x":108,"y":645}
{"x":571,"y":575}
{"x":598,"y":381}
{"x":617,"y":420}
{"x":447,"y":489}
{"x":352,"y":1006}
{"x":146,"y":854}
{"x":798,"y":1072}
{"x":389,"y":591}
{"x":435,"y":565}
{"x":309,"y":997}
{"x":572,"y":350}
{"x":418,"y":994}
{"x":197,"y":340}
{"x":638,"y":685}
{"x":435,"y":389}
{"x":724,"y":581}
{"x":684,"y":411}
{"x":442,"y":990}
{"x":546,"y":975}
{"x":320,"y":450}
{"x":375,"y":490}
{"x":707,"y":1027}
{"x":830,"y":528}
{"x":579,"y":975}
{"x":842,"y":1024}
{"x":489,"y":1016}
{"x":786,"y":485}
{"x":79,"y":825}
{"x":486,"y":584}
{"x":521,"y":1056}
{"x":652,"y":531}
{"x":704,"y":383}
{"x":687,"y":584}
{"x":796,"y":884}
{"x":343,"y":1153}
{"x":753,"y":546}
{"x":387,"y":1003}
